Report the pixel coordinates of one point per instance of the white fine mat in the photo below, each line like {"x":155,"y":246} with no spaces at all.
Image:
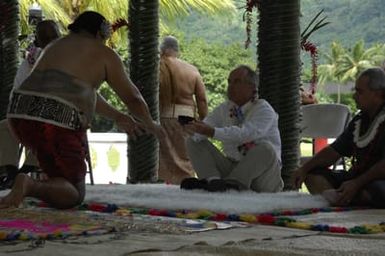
{"x":171,"y":197}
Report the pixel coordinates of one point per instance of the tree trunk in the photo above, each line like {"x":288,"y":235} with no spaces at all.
{"x":279,"y":65}
{"x":144,"y":71}
{"x":9,"y":31}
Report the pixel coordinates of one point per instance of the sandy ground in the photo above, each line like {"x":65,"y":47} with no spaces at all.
{"x":255,"y":240}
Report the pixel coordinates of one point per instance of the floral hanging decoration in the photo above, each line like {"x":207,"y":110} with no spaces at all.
{"x":247,"y":17}
{"x":305,"y":44}
{"x":310,"y":47}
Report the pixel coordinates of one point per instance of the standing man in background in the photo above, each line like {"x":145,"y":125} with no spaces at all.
{"x":180,"y":82}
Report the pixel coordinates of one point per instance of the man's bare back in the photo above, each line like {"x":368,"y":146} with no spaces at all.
{"x":187,"y":80}
{"x":182,"y":94}
{"x":80,"y":56}
{"x":180,"y":81}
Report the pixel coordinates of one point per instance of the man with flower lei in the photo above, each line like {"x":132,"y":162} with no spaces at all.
{"x":52,"y":109}
{"x":46,"y":32}
{"x":364,"y":141}
{"x":248,"y":128}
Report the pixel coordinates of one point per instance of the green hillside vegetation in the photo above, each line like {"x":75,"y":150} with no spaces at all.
{"x":351,"y":21}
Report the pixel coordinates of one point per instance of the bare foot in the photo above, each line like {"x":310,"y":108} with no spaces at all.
{"x":331,"y":195}
{"x":19,"y":190}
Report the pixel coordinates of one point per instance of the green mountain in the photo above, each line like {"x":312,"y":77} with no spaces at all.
{"x":351,"y":21}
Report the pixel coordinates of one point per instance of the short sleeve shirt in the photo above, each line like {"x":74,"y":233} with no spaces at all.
{"x":367,"y":156}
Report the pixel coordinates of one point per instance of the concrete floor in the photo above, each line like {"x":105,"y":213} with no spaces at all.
{"x":255,"y":240}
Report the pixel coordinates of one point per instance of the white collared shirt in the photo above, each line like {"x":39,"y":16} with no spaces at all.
{"x":257,"y":122}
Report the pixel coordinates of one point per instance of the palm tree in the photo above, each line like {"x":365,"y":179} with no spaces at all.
{"x":144,"y":65}
{"x":379,"y":55}
{"x":344,"y":65}
{"x":279,"y":65}
{"x":9,"y":31}
{"x":328,"y":72}
{"x":354,"y":61}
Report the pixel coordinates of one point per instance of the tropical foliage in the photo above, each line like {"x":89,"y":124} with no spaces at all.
{"x":342,"y":65}
{"x":350,"y":21}
{"x":214,"y":62}
{"x":64,"y":11}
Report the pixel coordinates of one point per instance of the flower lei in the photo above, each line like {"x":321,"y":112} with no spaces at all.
{"x":365,"y":139}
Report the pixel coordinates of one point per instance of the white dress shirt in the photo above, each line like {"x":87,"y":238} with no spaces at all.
{"x":254,"y":122}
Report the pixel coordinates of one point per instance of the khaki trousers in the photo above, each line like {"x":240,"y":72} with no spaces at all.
{"x":259,"y":170}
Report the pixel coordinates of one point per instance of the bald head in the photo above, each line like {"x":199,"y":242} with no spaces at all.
{"x":169,"y":43}
{"x":46,"y":32}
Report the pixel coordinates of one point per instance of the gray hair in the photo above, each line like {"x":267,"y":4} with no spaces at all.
{"x":252,"y":76}
{"x":169,"y":42}
{"x":376,"y":78}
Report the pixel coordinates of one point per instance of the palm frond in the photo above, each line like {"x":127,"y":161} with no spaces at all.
{"x":319,"y":24}
{"x":170,"y":9}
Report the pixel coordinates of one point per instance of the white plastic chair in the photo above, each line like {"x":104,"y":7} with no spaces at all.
{"x":324,"y":121}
